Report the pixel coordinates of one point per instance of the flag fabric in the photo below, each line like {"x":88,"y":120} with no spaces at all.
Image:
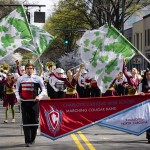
{"x":102,"y":52}
{"x":14,"y":31}
{"x":65,"y":116}
{"x":41,"y":41}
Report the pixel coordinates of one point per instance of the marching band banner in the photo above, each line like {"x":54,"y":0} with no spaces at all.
{"x":61,"y":117}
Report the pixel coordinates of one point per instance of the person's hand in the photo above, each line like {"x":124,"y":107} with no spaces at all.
{"x":81,"y":65}
{"x":41,"y":65}
{"x":124,"y":60}
{"x":37,"y":99}
{"x":56,"y":90}
{"x":18,"y":101}
{"x":142,"y":93}
{"x":17,"y":62}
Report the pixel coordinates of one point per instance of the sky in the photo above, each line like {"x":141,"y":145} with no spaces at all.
{"x":48,"y":9}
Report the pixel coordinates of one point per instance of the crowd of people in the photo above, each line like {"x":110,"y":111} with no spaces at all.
{"x":29,"y":88}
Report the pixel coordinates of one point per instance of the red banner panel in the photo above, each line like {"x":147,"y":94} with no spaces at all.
{"x":61,"y":117}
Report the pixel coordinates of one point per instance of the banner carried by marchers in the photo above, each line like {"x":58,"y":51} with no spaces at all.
{"x":65,"y":116}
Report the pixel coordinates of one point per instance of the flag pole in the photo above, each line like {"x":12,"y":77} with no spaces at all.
{"x":132,"y":45}
{"x":143,"y":56}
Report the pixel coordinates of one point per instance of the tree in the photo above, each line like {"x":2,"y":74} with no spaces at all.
{"x":86,"y":14}
{"x":5,"y":10}
{"x":110,"y":11}
{"x":64,"y":22}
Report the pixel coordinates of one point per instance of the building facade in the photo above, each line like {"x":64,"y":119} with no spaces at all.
{"x":139,"y":36}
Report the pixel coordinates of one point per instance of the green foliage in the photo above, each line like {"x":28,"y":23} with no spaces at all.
{"x":62,"y":21}
{"x":5,"y":10}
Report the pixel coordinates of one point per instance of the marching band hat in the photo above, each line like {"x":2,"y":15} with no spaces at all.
{"x":59,"y":70}
{"x":83,"y":71}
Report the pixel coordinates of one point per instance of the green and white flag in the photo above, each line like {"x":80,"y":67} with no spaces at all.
{"x":41,"y":41}
{"x":14,"y":31}
{"x":103,"y":51}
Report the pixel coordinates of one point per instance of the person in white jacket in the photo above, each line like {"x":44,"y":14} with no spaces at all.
{"x":81,"y":83}
{"x":58,"y":85}
{"x":30,"y":89}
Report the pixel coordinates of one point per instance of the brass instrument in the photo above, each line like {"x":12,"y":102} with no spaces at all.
{"x":49,"y":65}
{"x":4,"y":68}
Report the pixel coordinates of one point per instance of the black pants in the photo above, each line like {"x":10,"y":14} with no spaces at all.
{"x":30,"y":115}
{"x":60,"y":94}
{"x":148,"y":134}
{"x":50,"y":91}
{"x":95,"y":92}
{"x":87,"y":92}
{"x":81,"y":92}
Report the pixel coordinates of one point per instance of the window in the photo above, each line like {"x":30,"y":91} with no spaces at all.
{"x":145,"y":38}
{"x":141,"y":41}
{"x":148,"y":37}
{"x":137,"y":40}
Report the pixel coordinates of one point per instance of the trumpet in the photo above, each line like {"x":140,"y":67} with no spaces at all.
{"x":49,"y":65}
{"x":4,"y":68}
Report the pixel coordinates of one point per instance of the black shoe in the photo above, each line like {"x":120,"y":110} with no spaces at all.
{"x":148,"y":140}
{"x":27,"y":145}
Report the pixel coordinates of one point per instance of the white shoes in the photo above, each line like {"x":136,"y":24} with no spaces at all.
{"x":13,"y":120}
{"x":6,"y":121}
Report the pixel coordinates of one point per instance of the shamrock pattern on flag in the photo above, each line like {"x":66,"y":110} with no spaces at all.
{"x":14,"y":31}
{"x":102,"y":52}
{"x":41,"y":41}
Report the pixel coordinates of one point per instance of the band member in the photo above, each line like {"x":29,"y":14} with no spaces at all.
{"x":81,"y":83}
{"x":2,"y":87}
{"x":111,"y":90}
{"x":50,"y":66}
{"x":27,"y":90}
{"x":21,"y":70}
{"x":87,"y":86}
{"x":144,"y":88}
{"x":120,"y":84}
{"x":58,"y":85}
{"x":133,"y":80}
{"x":95,"y":91}
{"x":70,"y":82}
{"x":9,"y":96}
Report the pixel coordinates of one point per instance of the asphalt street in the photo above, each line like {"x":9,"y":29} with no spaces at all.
{"x":92,"y":138}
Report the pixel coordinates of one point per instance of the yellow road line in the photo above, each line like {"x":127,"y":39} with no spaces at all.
{"x":79,"y":145}
{"x":90,"y":146}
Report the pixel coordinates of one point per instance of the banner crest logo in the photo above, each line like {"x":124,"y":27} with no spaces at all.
{"x":53,"y":119}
